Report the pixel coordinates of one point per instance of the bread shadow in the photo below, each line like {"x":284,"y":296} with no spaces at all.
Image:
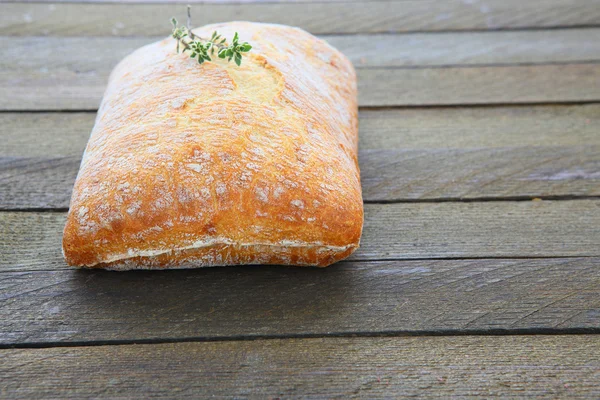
{"x":245,"y":301}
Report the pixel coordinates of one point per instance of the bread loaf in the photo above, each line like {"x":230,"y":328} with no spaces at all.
{"x":194,"y":165}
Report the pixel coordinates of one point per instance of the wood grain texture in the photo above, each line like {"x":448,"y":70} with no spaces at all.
{"x":479,"y":85}
{"x":375,"y":50}
{"x":315,"y":16}
{"x":387,"y":175}
{"x":392,"y":175}
{"x":450,"y":127}
{"x":377,"y":87}
{"x":71,"y":73}
{"x":37,"y":182}
{"x":66,"y":134}
{"x":399,"y":297}
{"x":389,"y":50}
{"x":470,"y":48}
{"x":442,"y":153}
{"x":31,"y":240}
{"x":45,"y":134}
{"x":396,"y":284}
{"x":335,"y":368}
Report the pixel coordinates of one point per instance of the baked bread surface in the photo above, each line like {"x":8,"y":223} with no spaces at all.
{"x":194,"y":165}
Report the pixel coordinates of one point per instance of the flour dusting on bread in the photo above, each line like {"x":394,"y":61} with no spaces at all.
{"x":201,"y":165}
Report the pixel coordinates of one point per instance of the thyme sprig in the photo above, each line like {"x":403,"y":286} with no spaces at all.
{"x":201,"y":49}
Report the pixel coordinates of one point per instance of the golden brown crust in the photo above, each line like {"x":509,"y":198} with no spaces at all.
{"x":214,"y":164}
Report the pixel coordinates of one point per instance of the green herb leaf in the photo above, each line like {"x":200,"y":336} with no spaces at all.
{"x":201,"y":49}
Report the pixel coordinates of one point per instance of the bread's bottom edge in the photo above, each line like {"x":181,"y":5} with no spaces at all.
{"x":231,"y":254}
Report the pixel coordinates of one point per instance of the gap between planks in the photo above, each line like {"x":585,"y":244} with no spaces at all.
{"x":345,"y":261}
{"x":360,"y":108}
{"x":357,"y":334}
{"x":398,"y":201}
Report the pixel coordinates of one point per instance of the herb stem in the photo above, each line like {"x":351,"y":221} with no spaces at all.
{"x":189,"y":21}
{"x":186,"y":45}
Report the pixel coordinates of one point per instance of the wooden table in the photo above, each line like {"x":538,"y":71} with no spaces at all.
{"x":479,"y":271}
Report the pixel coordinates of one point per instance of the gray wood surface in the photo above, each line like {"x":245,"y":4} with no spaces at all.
{"x":30,"y":88}
{"x":71,"y":73}
{"x":479,"y":85}
{"x":314,"y":16}
{"x":31,"y":240}
{"x":457,"y":108}
{"x":446,"y":127}
{"x":336,"y":368}
{"x":373,"y":50}
{"x":392,"y":175}
{"x":66,"y":134}
{"x":410,"y":154}
{"x":387,"y":175}
{"x":390,"y":297}
{"x":470,"y":48}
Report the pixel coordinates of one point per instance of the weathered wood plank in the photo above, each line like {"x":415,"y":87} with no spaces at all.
{"x":31,"y":240}
{"x":37,"y":89}
{"x":470,"y":48}
{"x":379,"y":50}
{"x":45,"y":134}
{"x":66,"y":134}
{"x":442,"y":153}
{"x":373,"y":368}
{"x":449,"y":296}
{"x":71,"y":73}
{"x":479,"y":85}
{"x":447,"y":128}
{"x":392,"y":175}
{"x":391,"y":50}
{"x":317,"y":17}
{"x":387,"y":175}
{"x":37,"y":182}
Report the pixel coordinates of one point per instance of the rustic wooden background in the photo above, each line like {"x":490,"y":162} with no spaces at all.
{"x":479,"y":271}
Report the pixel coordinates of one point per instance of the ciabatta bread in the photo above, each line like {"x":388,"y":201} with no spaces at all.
{"x":194,"y":165}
